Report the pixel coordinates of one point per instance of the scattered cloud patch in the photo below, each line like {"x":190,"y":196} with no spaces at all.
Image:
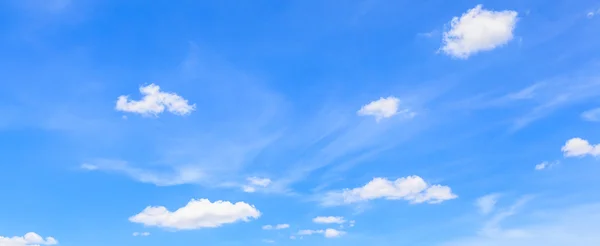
{"x":268,"y":241}
{"x":329,"y":220}
{"x":88,"y":167}
{"x":478,"y":30}
{"x":592,"y":14}
{"x":30,"y":239}
{"x":154,"y":102}
{"x":546,"y":165}
{"x":254,"y":183}
{"x":197,"y":214}
{"x":412,"y":188}
{"x":384,"y":108}
{"x":577,"y":147}
{"x":276,"y":227}
{"x":141,"y":234}
{"x":591,"y":115}
{"x":487,"y":203}
{"x":328,"y":233}
{"x":176,"y":176}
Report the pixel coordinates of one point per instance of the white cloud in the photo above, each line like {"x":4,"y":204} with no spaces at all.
{"x":577,"y":147}
{"x":89,"y":167}
{"x":591,"y":14}
{"x":487,"y":203}
{"x":545,"y":165}
{"x":255,"y":183}
{"x":141,"y":234}
{"x":155,"y":102}
{"x":384,"y":108}
{"x":276,"y":227}
{"x":329,"y":220}
{"x":328,"y":233}
{"x":30,"y":239}
{"x":268,"y":241}
{"x":178,"y":176}
{"x":411,"y":188}
{"x":197,"y":214}
{"x":478,"y":30}
{"x":591,"y":115}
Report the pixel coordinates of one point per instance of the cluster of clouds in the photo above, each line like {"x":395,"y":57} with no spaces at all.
{"x":574,"y":147}
{"x":29,"y":239}
{"x":412,"y":188}
{"x":255,"y":183}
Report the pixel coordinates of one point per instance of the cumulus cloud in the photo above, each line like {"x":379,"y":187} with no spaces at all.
{"x":276,"y":227}
{"x":30,"y":239}
{"x":154,"y":102}
{"x":329,"y":220}
{"x":577,"y":147}
{"x":591,"y":115}
{"x":141,"y":234}
{"x":478,"y":30}
{"x":328,"y":233}
{"x":487,"y":203}
{"x":197,"y":214}
{"x":255,"y":183}
{"x":384,"y":108}
{"x":411,"y":188}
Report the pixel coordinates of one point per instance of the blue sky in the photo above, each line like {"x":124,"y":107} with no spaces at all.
{"x":299,"y":122}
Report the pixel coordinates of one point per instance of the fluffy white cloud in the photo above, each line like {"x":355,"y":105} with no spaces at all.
{"x":591,"y":115}
{"x":197,"y":214}
{"x":411,"y":188}
{"x":30,"y":239}
{"x":276,"y":227}
{"x":478,"y":30}
{"x":329,"y":220}
{"x":155,"y":102}
{"x":591,"y":14}
{"x":328,"y":233}
{"x":487,"y":203}
{"x":141,"y":234}
{"x":577,"y":147}
{"x":255,"y":183}
{"x":384,"y":108}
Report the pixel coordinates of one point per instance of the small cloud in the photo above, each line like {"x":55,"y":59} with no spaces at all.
{"x":197,"y":214}
{"x":155,"y":102}
{"x":384,"y":108}
{"x":276,"y":227}
{"x":591,"y":115}
{"x":30,"y":239}
{"x":329,"y":220}
{"x":577,"y":147}
{"x":268,"y":241}
{"x":141,"y":234}
{"x":592,"y":14}
{"x":478,"y":30}
{"x":487,"y":203}
{"x":293,"y":237}
{"x":88,"y":167}
{"x":411,"y":188}
{"x":328,"y":233}
{"x":254,"y":183}
{"x":545,"y":165}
